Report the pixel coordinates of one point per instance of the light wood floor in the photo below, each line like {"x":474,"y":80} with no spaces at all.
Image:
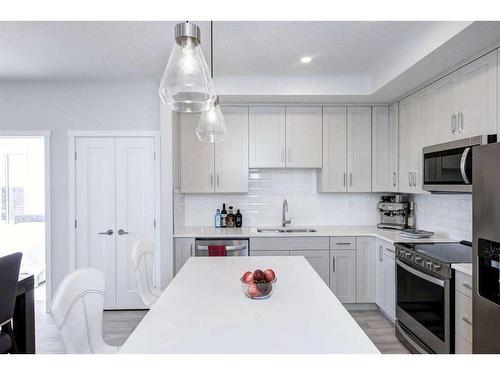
{"x":118,"y":325}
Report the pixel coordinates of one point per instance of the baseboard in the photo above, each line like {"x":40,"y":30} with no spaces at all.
{"x":360,"y":306}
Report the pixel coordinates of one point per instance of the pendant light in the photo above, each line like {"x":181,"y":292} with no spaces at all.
{"x":186,"y":85}
{"x":211,"y":125}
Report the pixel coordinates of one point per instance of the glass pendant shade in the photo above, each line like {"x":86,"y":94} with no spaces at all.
{"x":211,"y":126}
{"x":186,"y":85}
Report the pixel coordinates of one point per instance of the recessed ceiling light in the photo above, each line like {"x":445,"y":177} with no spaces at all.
{"x":306,"y":59}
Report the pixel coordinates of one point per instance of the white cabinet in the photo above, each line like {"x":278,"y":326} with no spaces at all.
{"x":346,"y":150}
{"x":288,"y":137}
{"x":365,"y":264}
{"x":267,"y":137}
{"x":446,"y":94}
{"x":304,"y":137}
{"x":359,"y":145}
{"x":319,"y":260}
{"x":381,"y":176}
{"x":215,"y":167}
{"x":332,"y":177}
{"x":463,"y":313}
{"x":394,"y":147}
{"x":269,"y":253}
{"x":385,"y":278}
{"x":183,"y":249}
{"x":343,"y":275}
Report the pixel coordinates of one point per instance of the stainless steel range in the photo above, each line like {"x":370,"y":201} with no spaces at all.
{"x":425,"y":292}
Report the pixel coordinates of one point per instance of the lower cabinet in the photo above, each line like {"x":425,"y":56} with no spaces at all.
{"x":183,"y":249}
{"x":463,"y":314}
{"x":269,"y":253}
{"x":319,"y":260}
{"x":385,"y":278}
{"x":365,"y":267}
{"x":343,"y":275}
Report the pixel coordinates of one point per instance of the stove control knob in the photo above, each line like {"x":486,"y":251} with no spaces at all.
{"x":408,"y":254}
{"x":436,"y":267}
{"x":418,"y":259}
{"x":428,"y":264}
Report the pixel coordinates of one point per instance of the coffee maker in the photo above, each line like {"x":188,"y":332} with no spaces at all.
{"x":393,"y":212}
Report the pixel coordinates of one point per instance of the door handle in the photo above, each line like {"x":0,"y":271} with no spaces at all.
{"x":109,"y":232}
{"x":415,"y":179}
{"x":466,"y":286}
{"x":121,"y":232}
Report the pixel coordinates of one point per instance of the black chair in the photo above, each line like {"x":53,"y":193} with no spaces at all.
{"x":9,"y":275}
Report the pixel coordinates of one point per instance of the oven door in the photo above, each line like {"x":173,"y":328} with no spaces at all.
{"x":423,"y":306}
{"x":448,"y":170}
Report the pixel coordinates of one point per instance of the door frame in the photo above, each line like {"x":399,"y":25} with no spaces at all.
{"x":45,"y":134}
{"x":72,"y":136}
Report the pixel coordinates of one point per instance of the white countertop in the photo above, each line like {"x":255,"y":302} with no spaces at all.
{"x":204,"y":310}
{"x":463,"y":267}
{"x":389,"y":235}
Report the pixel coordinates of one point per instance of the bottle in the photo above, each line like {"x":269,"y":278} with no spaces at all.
{"x":223,"y":215}
{"x":230,"y":218}
{"x":238,"y":219}
{"x":217,"y":218}
{"x":411,"y":216}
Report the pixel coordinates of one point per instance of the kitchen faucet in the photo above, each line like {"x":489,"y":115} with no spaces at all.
{"x":284,"y":220}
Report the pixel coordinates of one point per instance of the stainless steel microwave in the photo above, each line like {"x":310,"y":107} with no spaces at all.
{"x":448,"y":166}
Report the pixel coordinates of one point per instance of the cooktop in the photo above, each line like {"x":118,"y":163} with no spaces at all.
{"x":445,"y":252}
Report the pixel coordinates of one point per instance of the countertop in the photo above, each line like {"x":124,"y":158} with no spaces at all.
{"x":463,"y":267}
{"x":388,"y":235}
{"x":204,"y":310}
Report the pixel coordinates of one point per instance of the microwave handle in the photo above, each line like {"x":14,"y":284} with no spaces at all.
{"x":462,"y":165}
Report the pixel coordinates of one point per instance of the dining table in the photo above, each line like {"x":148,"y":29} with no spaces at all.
{"x":204,"y":310}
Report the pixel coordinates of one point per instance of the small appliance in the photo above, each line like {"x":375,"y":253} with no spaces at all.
{"x":393,"y":212}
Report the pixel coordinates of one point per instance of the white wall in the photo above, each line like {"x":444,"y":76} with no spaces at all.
{"x":63,"y":106}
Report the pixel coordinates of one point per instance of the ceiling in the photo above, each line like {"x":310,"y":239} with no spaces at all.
{"x":368,"y":60}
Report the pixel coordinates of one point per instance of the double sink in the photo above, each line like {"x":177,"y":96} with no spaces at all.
{"x":286,"y":230}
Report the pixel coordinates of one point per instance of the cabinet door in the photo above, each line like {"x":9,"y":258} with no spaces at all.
{"x":366,"y":276}
{"x":319,"y":260}
{"x":424,"y":102}
{"x":359,"y":146}
{"x":231,"y":156}
{"x":478,"y":104}
{"x":332,"y":177}
{"x":380,"y":150}
{"x":184,"y":248}
{"x":197,"y":158}
{"x":266,"y":137}
{"x":379,"y":271}
{"x":267,"y":253}
{"x":446,"y":92}
{"x":389,"y":304}
{"x":304,"y":137}
{"x":406,"y":144}
{"x":394,"y":147}
{"x":343,"y":275}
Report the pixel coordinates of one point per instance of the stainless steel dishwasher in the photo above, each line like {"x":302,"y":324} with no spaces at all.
{"x":235,"y":247}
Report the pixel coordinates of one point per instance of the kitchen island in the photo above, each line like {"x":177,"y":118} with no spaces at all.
{"x":204,"y":310}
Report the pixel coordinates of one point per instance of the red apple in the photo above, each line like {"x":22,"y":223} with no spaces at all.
{"x":247,"y":277}
{"x":258,"y":275}
{"x":253,"y":291}
{"x":269,"y":275}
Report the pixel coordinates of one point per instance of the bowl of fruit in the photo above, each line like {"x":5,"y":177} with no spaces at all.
{"x":258,"y":284}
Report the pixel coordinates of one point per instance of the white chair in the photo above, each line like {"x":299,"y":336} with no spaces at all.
{"x":143,"y":260}
{"x":77,"y":310}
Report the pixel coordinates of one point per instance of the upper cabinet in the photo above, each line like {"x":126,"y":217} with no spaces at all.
{"x":346,"y":150}
{"x":288,"y":137}
{"x":215,"y":167}
{"x":394,"y":147}
{"x":380,"y":150}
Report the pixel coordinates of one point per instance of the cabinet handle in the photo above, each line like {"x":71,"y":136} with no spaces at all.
{"x":343,"y":243}
{"x":466,"y":286}
{"x":333,"y":264}
{"x":454,"y":124}
{"x":211,"y":180}
{"x":466,"y":320}
{"x":344,"y":178}
{"x":414,"y":179}
{"x":394,"y":179}
{"x":350,"y":178}
{"x":460,"y":122}
{"x":381,"y":253}
{"x":409,"y":178}
{"x":218,"y":180}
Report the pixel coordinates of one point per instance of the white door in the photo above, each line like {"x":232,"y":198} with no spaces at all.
{"x":266,"y":137}
{"x":478,"y":104}
{"x":319,"y":260}
{"x":95,"y":209}
{"x":343,"y":275}
{"x":359,"y":149}
{"x":135,"y":212}
{"x":394,"y":147}
{"x":231,"y":156}
{"x":366,"y":275}
{"x":446,"y":92}
{"x":304,"y":137}
{"x":379,"y":271}
{"x":389,"y":284}
{"x":380,"y":150}
{"x":332,"y":177}
{"x":196,"y":158}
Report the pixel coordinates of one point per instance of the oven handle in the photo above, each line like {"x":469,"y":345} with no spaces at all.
{"x":462,"y":165}
{"x":422,"y":275}
{"x":228,"y":248}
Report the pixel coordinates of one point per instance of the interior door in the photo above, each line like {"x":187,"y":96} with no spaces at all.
{"x":135,"y":212}
{"x":95,"y":209}
{"x":359,"y":149}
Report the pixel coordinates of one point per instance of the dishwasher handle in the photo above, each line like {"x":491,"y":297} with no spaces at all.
{"x":228,"y":248}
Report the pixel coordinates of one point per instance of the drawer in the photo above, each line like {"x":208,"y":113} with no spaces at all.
{"x":389,"y":252}
{"x":463,"y":316}
{"x":463,"y":283}
{"x":289,"y":243}
{"x":343,"y":243}
{"x":269,"y":253}
{"x":462,"y":346}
